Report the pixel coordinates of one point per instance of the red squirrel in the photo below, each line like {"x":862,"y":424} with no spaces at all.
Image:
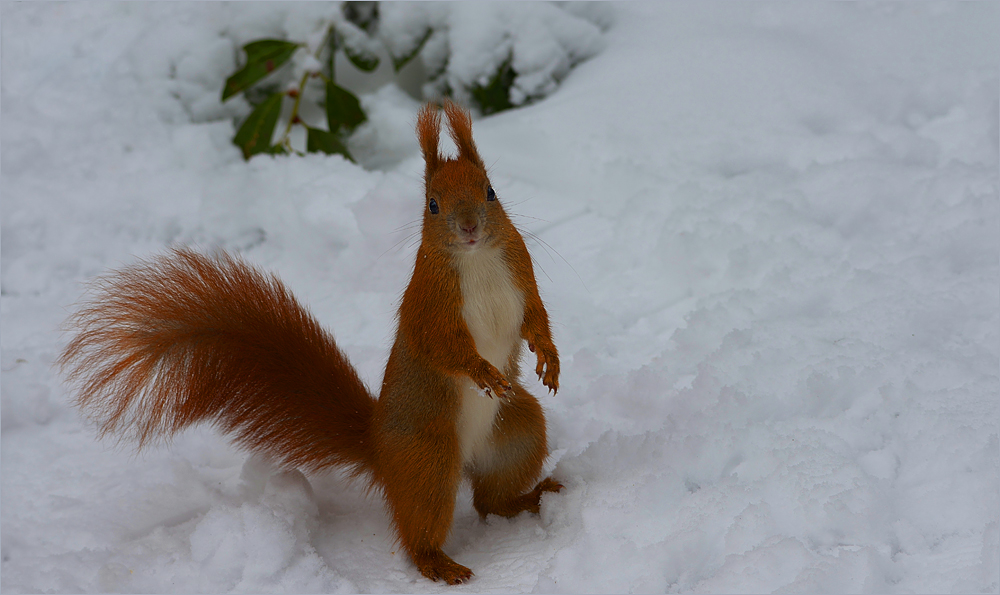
{"x":186,"y":338}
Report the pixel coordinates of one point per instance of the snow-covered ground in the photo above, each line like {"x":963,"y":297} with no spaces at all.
{"x":767,"y":236}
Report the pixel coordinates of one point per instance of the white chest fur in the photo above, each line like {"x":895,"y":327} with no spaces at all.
{"x":493,"y":309}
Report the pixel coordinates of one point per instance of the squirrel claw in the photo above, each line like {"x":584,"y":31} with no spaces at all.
{"x":547,"y":370}
{"x":548,"y":373}
{"x":493,"y":382}
{"x":437,"y":565}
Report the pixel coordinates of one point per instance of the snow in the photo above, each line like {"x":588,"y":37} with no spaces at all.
{"x":469,"y":41}
{"x":766,"y":234}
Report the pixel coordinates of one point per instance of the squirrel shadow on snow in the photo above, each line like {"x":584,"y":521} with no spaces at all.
{"x":186,"y":338}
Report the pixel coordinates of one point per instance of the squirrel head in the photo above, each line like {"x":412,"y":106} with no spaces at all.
{"x":461,"y":210}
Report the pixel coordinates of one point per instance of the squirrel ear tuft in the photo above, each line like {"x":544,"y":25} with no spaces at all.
{"x":460,"y":126}
{"x":428,"y":131}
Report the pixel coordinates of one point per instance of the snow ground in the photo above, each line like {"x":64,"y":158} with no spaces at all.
{"x":769,"y":242}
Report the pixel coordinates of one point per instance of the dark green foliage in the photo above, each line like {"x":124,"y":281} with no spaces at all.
{"x":398,"y":62}
{"x":495,"y":96}
{"x":261,"y":92}
{"x":263,"y":58}
{"x":321,"y":141}
{"x":355,"y":36}
{"x":363,"y":14}
{"x":254,"y":136}
{"x":362,"y":58}
{"x":342,"y":108}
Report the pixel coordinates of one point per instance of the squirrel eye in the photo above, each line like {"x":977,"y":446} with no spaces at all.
{"x":433,"y":207}
{"x":490,"y":194}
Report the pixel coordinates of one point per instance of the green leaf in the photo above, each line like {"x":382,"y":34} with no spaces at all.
{"x":261,"y":92}
{"x":254,"y":136}
{"x":321,"y":141}
{"x":495,"y":96}
{"x":363,"y":14}
{"x":342,"y":108}
{"x":362,"y":58}
{"x":398,"y":62}
{"x":263,"y":58}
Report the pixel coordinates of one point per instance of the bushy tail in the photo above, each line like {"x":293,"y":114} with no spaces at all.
{"x":186,"y":338}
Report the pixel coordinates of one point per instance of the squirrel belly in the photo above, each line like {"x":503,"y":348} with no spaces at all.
{"x":493,"y":309}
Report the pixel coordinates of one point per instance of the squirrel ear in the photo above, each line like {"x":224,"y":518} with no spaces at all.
{"x":460,"y":126}
{"x":428,"y":129}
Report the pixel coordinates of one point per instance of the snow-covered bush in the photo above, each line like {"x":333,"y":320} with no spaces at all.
{"x":496,"y":55}
{"x":492,"y":56}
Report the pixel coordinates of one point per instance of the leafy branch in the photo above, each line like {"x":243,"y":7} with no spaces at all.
{"x":355,"y":33}
{"x":342,"y":108}
{"x":343,"y":111}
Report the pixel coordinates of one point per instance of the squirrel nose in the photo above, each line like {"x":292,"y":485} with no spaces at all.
{"x":469,"y":226}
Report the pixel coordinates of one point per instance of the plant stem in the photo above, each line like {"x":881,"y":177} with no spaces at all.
{"x":302,"y":87}
{"x":295,"y":110}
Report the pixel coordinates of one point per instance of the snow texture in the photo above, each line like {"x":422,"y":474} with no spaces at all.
{"x":767,"y":235}
{"x":470,"y":42}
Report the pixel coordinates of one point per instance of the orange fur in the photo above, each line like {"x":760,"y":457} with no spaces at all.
{"x":186,"y":338}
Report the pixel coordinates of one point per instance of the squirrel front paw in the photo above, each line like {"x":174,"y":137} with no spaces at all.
{"x":491,"y":380}
{"x":548,"y":364}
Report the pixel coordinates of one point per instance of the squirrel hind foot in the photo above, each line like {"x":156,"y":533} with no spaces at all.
{"x":437,"y":565}
{"x":528,"y":502}
{"x":534,"y":497}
